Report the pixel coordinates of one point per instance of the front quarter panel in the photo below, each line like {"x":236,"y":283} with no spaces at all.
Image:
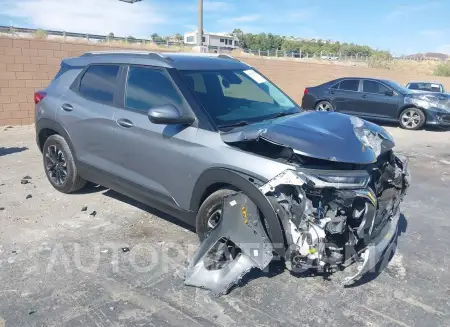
{"x":211,"y":153}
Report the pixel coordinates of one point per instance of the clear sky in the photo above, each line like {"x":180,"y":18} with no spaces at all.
{"x":401,"y":26}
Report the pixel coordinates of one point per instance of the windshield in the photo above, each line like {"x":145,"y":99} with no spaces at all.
{"x":238,"y":96}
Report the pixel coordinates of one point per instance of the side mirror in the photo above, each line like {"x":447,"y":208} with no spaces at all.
{"x":168,"y":115}
{"x":389,"y":93}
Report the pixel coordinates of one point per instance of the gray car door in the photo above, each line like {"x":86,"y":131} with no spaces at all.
{"x":151,"y":156}
{"x":346,"y":95}
{"x":377,"y":100}
{"x":87,"y":113}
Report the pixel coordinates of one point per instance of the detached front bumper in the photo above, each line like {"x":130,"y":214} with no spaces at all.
{"x":382,"y":245}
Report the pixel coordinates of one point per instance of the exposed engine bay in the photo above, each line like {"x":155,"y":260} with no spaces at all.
{"x":332,"y":214}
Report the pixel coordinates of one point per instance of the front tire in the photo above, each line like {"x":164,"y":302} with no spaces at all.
{"x":324,"y":106}
{"x":210,"y":212}
{"x":59,"y":165}
{"x":412,"y":119}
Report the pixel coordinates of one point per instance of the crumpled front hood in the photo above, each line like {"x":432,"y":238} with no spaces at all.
{"x":322,"y":135}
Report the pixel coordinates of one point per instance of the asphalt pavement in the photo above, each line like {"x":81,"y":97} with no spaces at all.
{"x":97,"y":258}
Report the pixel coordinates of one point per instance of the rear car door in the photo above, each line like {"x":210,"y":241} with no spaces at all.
{"x":150,"y":159}
{"x":377,"y":100}
{"x":87,"y":113}
{"x":345,"y":95}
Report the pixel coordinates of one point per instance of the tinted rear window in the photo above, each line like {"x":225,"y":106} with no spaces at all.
{"x":99,"y":83}
{"x":349,"y":85}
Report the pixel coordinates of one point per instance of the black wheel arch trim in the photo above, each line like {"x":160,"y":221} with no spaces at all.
{"x":46,"y":123}
{"x":249,"y":185}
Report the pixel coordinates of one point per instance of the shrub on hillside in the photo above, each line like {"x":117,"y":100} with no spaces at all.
{"x":380,"y":60}
{"x":40,"y":34}
{"x":442,"y":69}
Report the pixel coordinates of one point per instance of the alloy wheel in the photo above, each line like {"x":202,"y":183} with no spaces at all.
{"x":214,"y":218}
{"x":56,"y":165}
{"x":324,"y":106}
{"x":410,"y":118}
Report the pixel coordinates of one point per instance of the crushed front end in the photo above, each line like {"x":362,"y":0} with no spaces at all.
{"x":338,"y":202}
{"x":337,"y":217}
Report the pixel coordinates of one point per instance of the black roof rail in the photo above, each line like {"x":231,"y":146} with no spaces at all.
{"x":225,"y":56}
{"x":150,"y":54}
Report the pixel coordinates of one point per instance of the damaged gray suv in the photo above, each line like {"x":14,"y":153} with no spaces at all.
{"x":210,"y":140}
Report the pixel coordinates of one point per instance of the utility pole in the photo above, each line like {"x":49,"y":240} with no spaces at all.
{"x":200,"y":23}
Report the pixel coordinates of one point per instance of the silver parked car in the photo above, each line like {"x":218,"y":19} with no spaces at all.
{"x":184,"y":132}
{"x":426,"y":86}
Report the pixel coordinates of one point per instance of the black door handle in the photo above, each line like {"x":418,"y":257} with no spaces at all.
{"x":125,"y":123}
{"x":364,"y":96}
{"x":67,"y":107}
{"x":331,"y":92}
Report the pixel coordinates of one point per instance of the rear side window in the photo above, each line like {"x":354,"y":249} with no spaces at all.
{"x":374,"y":87}
{"x":99,"y":83}
{"x":349,"y":85}
{"x":148,"y":88}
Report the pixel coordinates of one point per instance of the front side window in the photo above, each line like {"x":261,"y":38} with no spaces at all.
{"x":148,"y":88}
{"x":99,"y":83}
{"x":231,"y":96}
{"x":374,"y":87}
{"x":349,"y":85}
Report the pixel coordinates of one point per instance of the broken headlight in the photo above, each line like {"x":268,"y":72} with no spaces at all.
{"x":335,"y":178}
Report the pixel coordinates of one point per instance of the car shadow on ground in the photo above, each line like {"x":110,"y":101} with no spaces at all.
{"x":120,"y":197}
{"x":6,"y":151}
{"x":91,"y":188}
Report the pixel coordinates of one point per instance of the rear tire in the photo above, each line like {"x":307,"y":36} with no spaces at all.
{"x":324,"y":106}
{"x":59,"y":165}
{"x":210,"y":212}
{"x":412,"y":119}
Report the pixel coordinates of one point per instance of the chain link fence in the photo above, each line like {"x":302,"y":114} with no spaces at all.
{"x":299,"y":54}
{"x":95,"y":38}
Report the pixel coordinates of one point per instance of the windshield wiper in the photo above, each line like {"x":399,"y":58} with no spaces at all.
{"x":237,"y":124}
{"x":282,"y":114}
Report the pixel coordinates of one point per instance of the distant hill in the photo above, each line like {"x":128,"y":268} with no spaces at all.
{"x":428,"y":56}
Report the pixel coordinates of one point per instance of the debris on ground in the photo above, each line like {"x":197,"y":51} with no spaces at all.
{"x":24,"y":181}
{"x":93,"y":213}
{"x":29,"y":196}
{"x":2,"y":208}
{"x":32,"y":312}
{"x":84,"y":208}
{"x":7,"y":127}
{"x":125,"y":249}
{"x":27,"y":177}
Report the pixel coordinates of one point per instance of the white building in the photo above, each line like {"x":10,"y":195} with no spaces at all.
{"x":213,"y":40}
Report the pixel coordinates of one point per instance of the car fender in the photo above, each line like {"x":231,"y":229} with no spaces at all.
{"x":250,"y":186}
{"x":46,"y":123}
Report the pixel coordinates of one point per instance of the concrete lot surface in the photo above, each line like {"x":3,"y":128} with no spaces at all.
{"x":123,"y":265}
